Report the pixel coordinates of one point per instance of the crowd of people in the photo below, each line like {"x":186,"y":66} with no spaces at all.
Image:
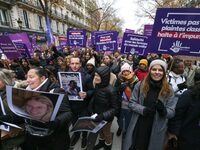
{"x":155,"y":99}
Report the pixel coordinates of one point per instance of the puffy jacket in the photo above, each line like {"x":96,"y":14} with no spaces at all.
{"x":104,"y":100}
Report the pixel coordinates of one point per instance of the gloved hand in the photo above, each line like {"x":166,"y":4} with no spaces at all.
{"x":161,"y":108}
{"x":99,"y":118}
{"x":148,"y":111}
{"x":122,"y":87}
{"x":182,"y":86}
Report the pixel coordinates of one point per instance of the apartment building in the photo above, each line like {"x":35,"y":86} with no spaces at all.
{"x":28,"y":16}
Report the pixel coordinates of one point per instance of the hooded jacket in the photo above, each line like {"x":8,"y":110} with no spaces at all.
{"x":104,"y":100}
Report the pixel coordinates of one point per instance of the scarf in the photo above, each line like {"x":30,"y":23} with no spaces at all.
{"x":37,"y":88}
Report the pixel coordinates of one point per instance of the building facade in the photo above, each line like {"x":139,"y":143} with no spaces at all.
{"x":28,"y":16}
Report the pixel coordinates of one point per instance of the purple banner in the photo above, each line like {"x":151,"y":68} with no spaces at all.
{"x":22,"y":38}
{"x":76,"y":37}
{"x":134,"y":44}
{"x":8,"y":47}
{"x":106,"y":41}
{"x":148,"y":28}
{"x":50,"y":38}
{"x":23,"y":50}
{"x":176,"y":31}
{"x":93,"y":34}
{"x":129,"y":31}
{"x":33,"y":41}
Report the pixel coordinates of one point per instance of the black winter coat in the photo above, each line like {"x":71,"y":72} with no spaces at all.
{"x":186,"y":123}
{"x":59,"y":139}
{"x":104,"y":100}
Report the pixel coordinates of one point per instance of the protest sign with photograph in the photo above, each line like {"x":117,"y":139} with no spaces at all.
{"x":88,"y":124}
{"x":71,"y":82}
{"x":35,"y":105}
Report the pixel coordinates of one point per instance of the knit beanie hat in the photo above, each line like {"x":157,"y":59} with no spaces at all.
{"x":143,"y":61}
{"x":126,"y":66}
{"x":158,"y":62}
{"x":91,"y":61}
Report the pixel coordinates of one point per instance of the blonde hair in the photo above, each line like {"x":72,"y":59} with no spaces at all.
{"x":43,"y":100}
{"x":6,"y":76}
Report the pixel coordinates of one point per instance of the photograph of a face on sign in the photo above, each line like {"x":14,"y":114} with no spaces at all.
{"x":72,"y":84}
{"x":39,"y":106}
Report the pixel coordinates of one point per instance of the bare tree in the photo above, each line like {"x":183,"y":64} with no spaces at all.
{"x":102,"y":15}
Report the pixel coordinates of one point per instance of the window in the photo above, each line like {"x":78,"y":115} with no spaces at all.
{"x":40,"y":22}
{"x":26,"y":19}
{"x":63,"y":28}
{"x":4,"y":17}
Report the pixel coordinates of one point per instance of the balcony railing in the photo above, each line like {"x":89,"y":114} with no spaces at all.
{"x":31,"y":3}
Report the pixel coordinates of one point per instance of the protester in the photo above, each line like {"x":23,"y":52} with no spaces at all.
{"x":185,"y":126}
{"x":142,"y":69}
{"x":6,"y":79}
{"x":51,"y":135}
{"x":176,"y":77}
{"x":108,"y":61}
{"x":189,"y":71}
{"x":79,"y":108}
{"x":105,"y":104}
{"x":152,"y":104}
{"x":125,"y":84}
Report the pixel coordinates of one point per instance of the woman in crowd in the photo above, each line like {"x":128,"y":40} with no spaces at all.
{"x":37,"y":79}
{"x":152,"y":104}
{"x":105,"y":104}
{"x":125,"y":84}
{"x":6,"y":79}
{"x":186,"y":123}
{"x":51,"y":135}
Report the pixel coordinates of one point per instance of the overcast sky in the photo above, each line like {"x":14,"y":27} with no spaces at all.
{"x":127,"y":9}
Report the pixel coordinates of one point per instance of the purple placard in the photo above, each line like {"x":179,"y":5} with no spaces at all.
{"x":22,"y":50}
{"x":129,"y":31}
{"x":22,"y":38}
{"x":76,"y":37}
{"x":106,"y":41}
{"x":148,"y":28}
{"x":176,"y":31}
{"x":93,"y":34}
{"x":33,"y":41}
{"x":134,"y":44}
{"x":8,"y":47}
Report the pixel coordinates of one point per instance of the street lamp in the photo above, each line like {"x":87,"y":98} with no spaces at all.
{"x":19,"y":23}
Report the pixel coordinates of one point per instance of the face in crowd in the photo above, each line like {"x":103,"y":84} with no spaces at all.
{"x":106,"y":60}
{"x":157,"y":72}
{"x":34,"y":79}
{"x":97,"y":78}
{"x":75,"y":64}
